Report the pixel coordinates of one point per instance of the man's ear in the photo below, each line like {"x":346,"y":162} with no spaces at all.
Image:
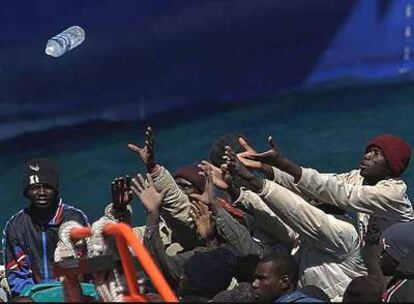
{"x":285,"y":283}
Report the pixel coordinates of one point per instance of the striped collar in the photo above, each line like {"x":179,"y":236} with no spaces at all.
{"x":58,"y":218}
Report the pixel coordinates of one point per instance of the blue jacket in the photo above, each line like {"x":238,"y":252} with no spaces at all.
{"x":29,"y":244}
{"x":298,"y":297}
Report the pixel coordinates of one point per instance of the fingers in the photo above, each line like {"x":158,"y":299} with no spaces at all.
{"x":271,"y":142}
{"x":195,"y":211}
{"x":113,"y":192}
{"x":202,"y":208}
{"x":134,"y":147}
{"x":245,"y":145}
{"x":195,"y":196}
{"x":138,"y":184}
{"x":149,"y":138}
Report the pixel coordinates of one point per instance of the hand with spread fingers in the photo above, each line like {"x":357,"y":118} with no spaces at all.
{"x":244,"y":156}
{"x":254,"y":160}
{"x":235,"y":168}
{"x":207,"y":197}
{"x":121,"y":192}
{"x":147,"y":152}
{"x":216,"y":174}
{"x":203,"y":220}
{"x":146,"y":192}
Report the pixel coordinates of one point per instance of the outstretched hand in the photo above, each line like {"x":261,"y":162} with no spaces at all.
{"x":207,"y":196}
{"x":271,"y":157}
{"x":121,"y":192}
{"x":149,"y":196}
{"x":244,"y":156}
{"x":216,"y":174}
{"x":203,"y":220}
{"x":235,"y":169}
{"x":146,"y":153}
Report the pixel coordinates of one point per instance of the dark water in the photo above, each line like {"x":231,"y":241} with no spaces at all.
{"x":325,"y":129}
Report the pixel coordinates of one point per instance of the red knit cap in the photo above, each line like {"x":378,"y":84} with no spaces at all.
{"x":396,"y":151}
{"x":191,"y":173}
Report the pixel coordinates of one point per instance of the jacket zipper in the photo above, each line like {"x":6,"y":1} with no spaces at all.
{"x":45,"y":264}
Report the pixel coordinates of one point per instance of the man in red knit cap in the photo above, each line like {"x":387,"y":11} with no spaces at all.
{"x":375,"y":190}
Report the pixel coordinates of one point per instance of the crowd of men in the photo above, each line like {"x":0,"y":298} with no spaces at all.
{"x":243,"y":226}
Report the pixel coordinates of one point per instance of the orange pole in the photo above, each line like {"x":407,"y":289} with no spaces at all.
{"x":144,"y":258}
{"x":124,"y":233}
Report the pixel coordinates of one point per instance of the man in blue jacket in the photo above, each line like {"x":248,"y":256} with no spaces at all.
{"x":30,"y":236}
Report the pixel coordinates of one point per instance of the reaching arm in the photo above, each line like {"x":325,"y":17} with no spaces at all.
{"x":265,"y":218}
{"x":324,"y":230}
{"x":387,"y":199}
{"x":236,"y":234}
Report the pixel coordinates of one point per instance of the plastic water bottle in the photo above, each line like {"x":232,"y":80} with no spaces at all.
{"x":65,"y":41}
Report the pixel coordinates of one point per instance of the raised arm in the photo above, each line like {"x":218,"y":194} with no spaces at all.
{"x":175,"y":208}
{"x":325,"y":231}
{"x":229,"y":229}
{"x":387,"y":199}
{"x":152,"y":199}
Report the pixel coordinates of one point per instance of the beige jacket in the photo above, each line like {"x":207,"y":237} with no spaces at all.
{"x":329,"y":246}
{"x":386,"y":202}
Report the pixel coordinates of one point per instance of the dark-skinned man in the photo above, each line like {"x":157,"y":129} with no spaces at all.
{"x":30,"y":236}
{"x":397,"y":260}
{"x":375,"y":190}
{"x":326,"y":243}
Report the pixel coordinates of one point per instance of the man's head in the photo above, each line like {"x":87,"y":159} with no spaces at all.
{"x":385,"y":156}
{"x":218,"y":150}
{"x":274,"y":276}
{"x":364,"y":289}
{"x":397,"y":244}
{"x":189,"y":179}
{"x":41,"y":182}
{"x":207,"y":273}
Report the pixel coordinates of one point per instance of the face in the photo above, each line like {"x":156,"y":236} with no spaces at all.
{"x":388,"y":264}
{"x":268,"y":284}
{"x":186,"y":186}
{"x":374,"y":165}
{"x":41,"y":195}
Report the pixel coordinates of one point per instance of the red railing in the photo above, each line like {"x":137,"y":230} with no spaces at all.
{"x":124,"y":237}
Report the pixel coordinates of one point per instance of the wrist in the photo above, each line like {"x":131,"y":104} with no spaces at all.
{"x":256,"y":184}
{"x":268,"y":171}
{"x":153,"y":212}
{"x":150,"y":166}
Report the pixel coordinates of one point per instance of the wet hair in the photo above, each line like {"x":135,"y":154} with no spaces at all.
{"x":217,"y":151}
{"x":364,"y":289}
{"x":245,"y":268}
{"x":285,"y":264}
{"x":211,"y":271}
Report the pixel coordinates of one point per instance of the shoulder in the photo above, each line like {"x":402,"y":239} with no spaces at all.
{"x":15,"y":219}
{"x":73,"y":213}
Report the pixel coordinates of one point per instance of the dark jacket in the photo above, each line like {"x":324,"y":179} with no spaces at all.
{"x":29,"y":244}
{"x":297,"y":297}
{"x":399,"y":291}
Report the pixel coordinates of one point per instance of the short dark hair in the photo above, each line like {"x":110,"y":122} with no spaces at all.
{"x":286,"y":264}
{"x":217,"y":151}
{"x":364,"y":289}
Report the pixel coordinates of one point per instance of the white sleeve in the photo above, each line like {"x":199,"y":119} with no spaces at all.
{"x":265,"y":218}
{"x":387,"y":199}
{"x":176,"y":204}
{"x":325,"y":231}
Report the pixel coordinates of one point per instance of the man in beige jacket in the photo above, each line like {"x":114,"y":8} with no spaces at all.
{"x":327,"y":245}
{"x":375,"y":190}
